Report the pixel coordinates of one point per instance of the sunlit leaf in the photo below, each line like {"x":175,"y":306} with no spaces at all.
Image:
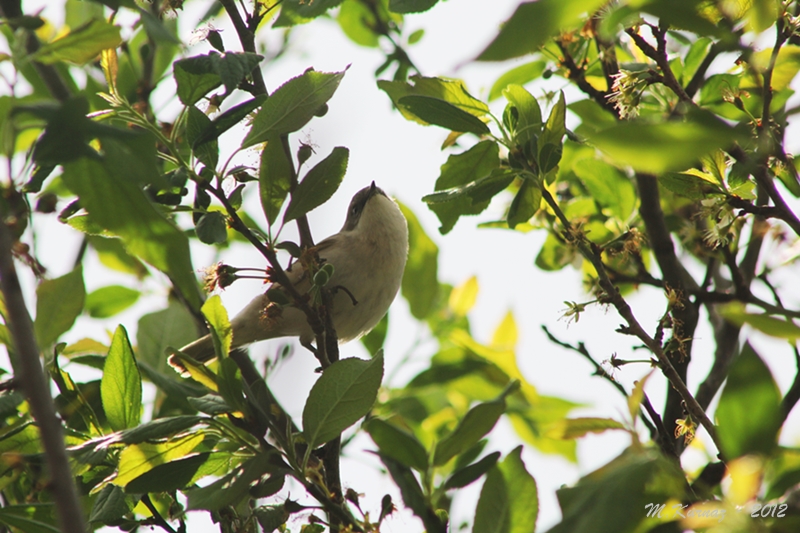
{"x":59,"y":302}
{"x":509,"y":500}
{"x":110,"y":300}
{"x":518,"y":76}
{"x":462,"y":298}
{"x":533,"y":23}
{"x":420,"y":286}
{"x":121,"y":386}
{"x":80,"y":45}
{"x":748,"y":415}
{"x":574,"y":428}
{"x":665,"y":146}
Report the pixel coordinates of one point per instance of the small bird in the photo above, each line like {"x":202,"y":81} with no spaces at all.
{"x":368,"y":257}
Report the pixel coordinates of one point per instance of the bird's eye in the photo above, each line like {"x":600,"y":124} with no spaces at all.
{"x":354,"y":210}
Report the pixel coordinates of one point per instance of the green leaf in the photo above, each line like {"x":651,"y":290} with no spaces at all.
{"x":109,"y":506}
{"x":36,"y":518}
{"x":196,"y":123}
{"x":344,"y":393}
{"x":509,"y":502}
{"x":688,"y":185}
{"x":464,"y":168}
{"x":373,"y":341}
{"x":554,"y":255}
{"x":574,"y":428}
{"x":301,"y":11}
{"x":195,"y":77}
{"x":687,"y":15}
{"x":452,"y":91}
{"x":476,"y":423}
{"x":772,"y":326}
{"x":292,"y":105}
{"x":357,"y":21}
{"x":121,"y":207}
{"x":517,"y":76}
{"x":554,"y":128}
{"x":271,"y":517}
{"x":159,"y":428}
{"x":168,"y":477}
{"x":420,"y":285}
{"x":233,"y":67}
{"x":112,"y":254}
{"x":411,"y":6}
{"x":762,"y":14}
{"x":68,"y":132}
{"x":274,"y":179}
{"x":442,"y":113}
{"x":398,"y":444}
{"x":471,"y":199}
{"x":121,"y":386}
{"x":642,"y":145}
{"x":529,"y":114}
{"x":470,"y":473}
{"x":227,"y":120}
{"x":590,"y":506}
{"x":694,"y":58}
{"x":157,"y":30}
{"x":467,"y":183}
{"x":749,"y":415}
{"x":412,"y":495}
{"x":110,"y":300}
{"x":230,"y":488}
{"x":136,"y":459}
{"x":319,"y":184}
{"x":80,"y":45}
{"x":58,"y":303}
{"x":221,"y":331}
{"x":173,"y":326}
{"x":533,"y":23}
{"x":211,"y":404}
{"x":593,"y":117}
{"x":212,"y":228}
{"x":607,"y":186}
{"x":525,"y":204}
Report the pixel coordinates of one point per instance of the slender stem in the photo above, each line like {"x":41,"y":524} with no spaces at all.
{"x":157,"y":518}
{"x":33,"y":381}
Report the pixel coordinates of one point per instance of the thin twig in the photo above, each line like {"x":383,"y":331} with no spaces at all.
{"x":157,"y":518}
{"x":601,"y":372}
{"x":633,"y":327}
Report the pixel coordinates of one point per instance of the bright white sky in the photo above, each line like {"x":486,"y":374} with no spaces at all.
{"x":403,"y":158}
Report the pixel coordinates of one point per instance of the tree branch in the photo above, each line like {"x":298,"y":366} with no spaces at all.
{"x":675,"y":277}
{"x":577,"y":74}
{"x":601,"y":372}
{"x":612,"y":295}
{"x":28,"y":369}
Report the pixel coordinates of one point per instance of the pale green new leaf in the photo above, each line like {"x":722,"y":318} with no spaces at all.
{"x":81,"y":45}
{"x":121,"y":386}
{"x":58,"y":303}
